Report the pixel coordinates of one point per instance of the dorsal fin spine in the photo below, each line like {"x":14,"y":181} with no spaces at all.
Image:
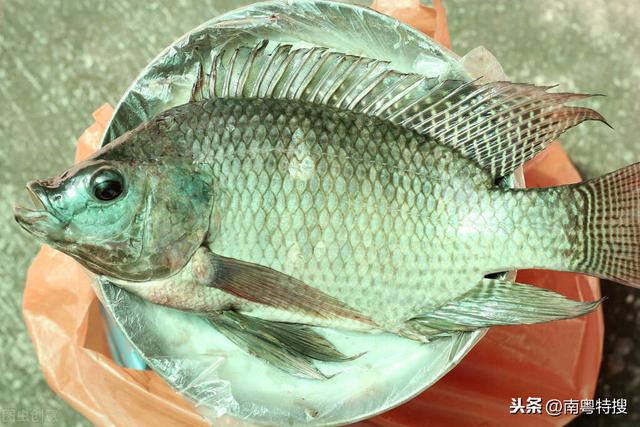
{"x":282,"y":67}
{"x":379,"y":78}
{"x":371,"y":66}
{"x":384,"y":107}
{"x":246,"y":70}
{"x":227,"y":79}
{"x":336,"y":84}
{"x":322,"y":59}
{"x":295,"y":74}
{"x":281,"y":52}
{"x":417,"y":101}
{"x":407,"y":120}
{"x":213,"y":76}
{"x":384,"y":94}
{"x":261,"y":74}
{"x":323,"y":81}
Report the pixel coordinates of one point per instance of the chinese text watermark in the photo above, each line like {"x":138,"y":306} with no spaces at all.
{"x":32,"y":416}
{"x":556,"y":407}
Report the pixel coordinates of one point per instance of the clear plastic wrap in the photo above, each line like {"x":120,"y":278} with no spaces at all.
{"x":226,"y":385}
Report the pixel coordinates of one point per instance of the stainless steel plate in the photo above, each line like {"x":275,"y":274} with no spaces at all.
{"x":224,"y":382}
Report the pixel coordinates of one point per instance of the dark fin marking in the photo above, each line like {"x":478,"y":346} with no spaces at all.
{"x":299,"y":338}
{"x":611,"y":224}
{"x":498,"y":302}
{"x":500,"y":125}
{"x":264,"y":285}
{"x":287,"y":346}
{"x":197,"y":93}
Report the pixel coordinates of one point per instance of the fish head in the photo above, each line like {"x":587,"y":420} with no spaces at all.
{"x":122,"y":219}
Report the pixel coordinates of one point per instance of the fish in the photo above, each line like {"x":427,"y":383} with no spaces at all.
{"x":305,"y":188}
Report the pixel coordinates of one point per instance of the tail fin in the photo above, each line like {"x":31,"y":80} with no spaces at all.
{"x":611,"y":244}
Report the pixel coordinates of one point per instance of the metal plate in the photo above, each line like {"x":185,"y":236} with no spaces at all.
{"x":223,"y":381}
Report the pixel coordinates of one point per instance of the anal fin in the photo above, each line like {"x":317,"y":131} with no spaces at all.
{"x":287,"y":346}
{"x":497,"y":302}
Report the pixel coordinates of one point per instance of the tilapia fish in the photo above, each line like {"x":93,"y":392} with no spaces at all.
{"x":306,"y":187}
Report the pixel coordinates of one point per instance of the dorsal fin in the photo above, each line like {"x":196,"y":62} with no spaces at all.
{"x":500,"y":125}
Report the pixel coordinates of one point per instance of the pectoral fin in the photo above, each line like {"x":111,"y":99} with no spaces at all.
{"x":498,"y":302}
{"x":287,"y":346}
{"x":264,"y":285}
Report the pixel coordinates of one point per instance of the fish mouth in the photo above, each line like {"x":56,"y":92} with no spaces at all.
{"x":38,"y":220}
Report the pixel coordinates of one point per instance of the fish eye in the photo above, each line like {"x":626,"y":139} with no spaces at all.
{"x":107,"y":185}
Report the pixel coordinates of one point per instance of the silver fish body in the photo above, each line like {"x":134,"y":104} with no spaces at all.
{"x":378,"y":216}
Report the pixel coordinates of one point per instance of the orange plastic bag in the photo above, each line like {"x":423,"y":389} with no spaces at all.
{"x":558,"y":360}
